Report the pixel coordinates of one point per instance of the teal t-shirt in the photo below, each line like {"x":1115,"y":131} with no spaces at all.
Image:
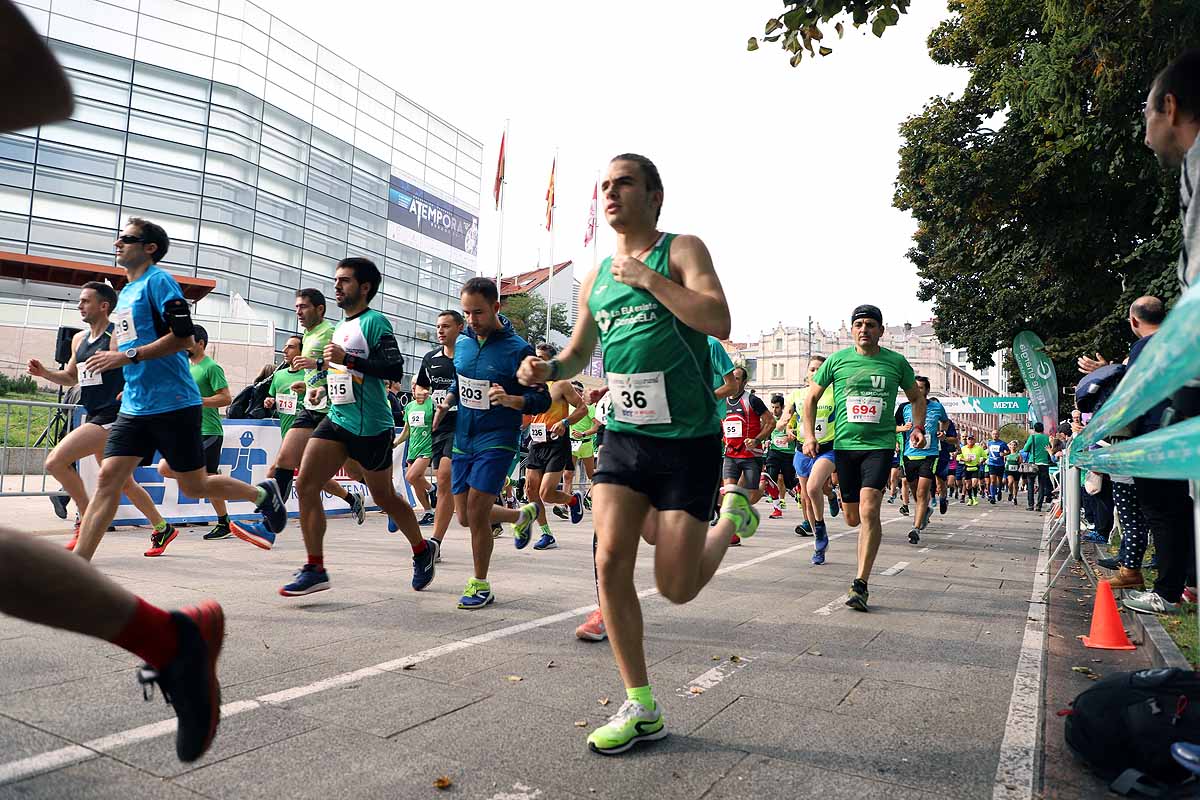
{"x":358,"y":402}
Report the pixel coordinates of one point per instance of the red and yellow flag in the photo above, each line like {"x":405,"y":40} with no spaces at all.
{"x":499,"y":173}
{"x":550,"y":196}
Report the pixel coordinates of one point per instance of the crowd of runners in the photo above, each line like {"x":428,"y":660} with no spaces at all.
{"x":678,"y":451}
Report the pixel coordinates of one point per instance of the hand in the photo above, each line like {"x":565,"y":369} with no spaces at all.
{"x":268,"y":402}
{"x":316,"y":396}
{"x":438,"y":412}
{"x":791,"y":436}
{"x":36,"y":368}
{"x":1087,"y":365}
{"x":399,"y":440}
{"x":533,"y":370}
{"x":631,"y":272}
{"x":594,"y":395}
{"x":499,"y":397}
{"x":557,"y":430}
{"x":304,"y":362}
{"x":298,"y":386}
{"x":335,"y":354}
{"x":906,"y":428}
{"x":1076,"y":427}
{"x":917,"y":438}
{"x":811,"y":448}
{"x":105,"y":360}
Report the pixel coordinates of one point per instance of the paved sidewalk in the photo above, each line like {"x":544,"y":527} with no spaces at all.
{"x":373,"y":691}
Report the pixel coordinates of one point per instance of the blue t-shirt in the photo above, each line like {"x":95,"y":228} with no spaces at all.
{"x":158,"y":385}
{"x":951,"y":431}
{"x":935,"y":412}
{"x":996,"y":450}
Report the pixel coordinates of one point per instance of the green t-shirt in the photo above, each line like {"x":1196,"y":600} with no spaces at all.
{"x":313,"y":346}
{"x":281,"y":390}
{"x":1036,"y":446}
{"x":973,"y":456}
{"x":418,"y":417}
{"x":364,"y":409}
{"x":864,"y":396}
{"x":1011,"y":461}
{"x":780,"y":443}
{"x":210,"y":379}
{"x":824,"y":425}
{"x":584,"y":425}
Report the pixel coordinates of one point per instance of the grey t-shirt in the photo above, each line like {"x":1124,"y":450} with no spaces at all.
{"x":1189,"y":181}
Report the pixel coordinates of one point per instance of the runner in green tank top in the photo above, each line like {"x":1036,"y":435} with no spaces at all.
{"x":651,"y":307}
{"x":418,"y":432}
{"x":815,"y":474}
{"x":779,"y":470}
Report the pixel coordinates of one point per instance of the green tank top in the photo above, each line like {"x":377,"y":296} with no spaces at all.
{"x":313,"y":346}
{"x":658,"y":370}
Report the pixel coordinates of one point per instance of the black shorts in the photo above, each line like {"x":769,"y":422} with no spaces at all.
{"x":996,"y":470}
{"x":915,"y":468}
{"x":174,"y":434}
{"x":673,"y":474}
{"x":599,"y":439}
{"x":212,"y":453}
{"x":780,"y":463}
{"x":734,"y":468}
{"x":857,"y":469}
{"x":551,"y":456}
{"x":307,"y":420}
{"x":374,"y":453}
{"x":443,"y":446}
{"x":105,"y":417}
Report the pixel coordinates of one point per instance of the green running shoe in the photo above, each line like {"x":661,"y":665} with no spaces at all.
{"x":737,"y":509}
{"x":630,"y":725}
{"x":857,"y":598}
{"x":521,"y":527}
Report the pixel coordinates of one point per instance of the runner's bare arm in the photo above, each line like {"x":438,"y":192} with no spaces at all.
{"x":810,"y":418}
{"x":575,"y":356}
{"x":219,"y":399}
{"x":693,"y":293}
{"x":728,"y":388}
{"x":166,"y":345}
{"x":68,"y":375}
{"x":34,"y":88}
{"x":917,"y":436}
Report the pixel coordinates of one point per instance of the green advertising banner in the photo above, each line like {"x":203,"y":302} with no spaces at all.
{"x":985,"y":405}
{"x":1040,"y":381}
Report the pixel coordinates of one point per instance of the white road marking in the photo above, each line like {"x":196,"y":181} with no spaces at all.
{"x":712,"y":677}
{"x":924,"y":550}
{"x":828,"y":608}
{"x":519,"y":792}
{"x":895,"y":569}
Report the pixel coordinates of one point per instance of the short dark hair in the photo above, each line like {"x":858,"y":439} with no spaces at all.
{"x":314,"y":296}
{"x":549,"y":348}
{"x":744,"y":371}
{"x":1038,"y":427}
{"x":1180,"y":78}
{"x":365,"y":271}
{"x":484,"y":287}
{"x":152,"y":234}
{"x":1149,"y":310}
{"x":924,"y":380}
{"x":815,"y":357}
{"x":106,"y":293}
{"x":776,"y":398}
{"x":454,"y":315}
{"x":649,"y":174}
{"x":296,"y":336}
{"x":199,"y":334}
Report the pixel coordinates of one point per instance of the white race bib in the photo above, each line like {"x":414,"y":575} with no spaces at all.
{"x":820,"y":426}
{"x":439,"y":396}
{"x":538,"y":433}
{"x":779,"y":439}
{"x":87,"y":378}
{"x":639,"y":398}
{"x":123,"y":327}
{"x":416,"y":419}
{"x":864,"y":410}
{"x":285,"y":404}
{"x":474,"y":393}
{"x":733,"y":428}
{"x":341,"y":387}
{"x":576,"y":446}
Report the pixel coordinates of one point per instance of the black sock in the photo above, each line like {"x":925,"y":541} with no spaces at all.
{"x":595,"y":571}
{"x":283,"y":478}
{"x":351,"y":499}
{"x":223,"y":519}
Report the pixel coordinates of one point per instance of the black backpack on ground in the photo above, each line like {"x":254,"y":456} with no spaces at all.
{"x":1124,"y":726}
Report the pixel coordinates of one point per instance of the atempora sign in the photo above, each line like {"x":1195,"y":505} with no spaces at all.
{"x":1040,"y":380}
{"x":986,"y":405}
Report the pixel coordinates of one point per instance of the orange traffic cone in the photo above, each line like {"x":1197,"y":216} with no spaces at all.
{"x":1107,"y":631}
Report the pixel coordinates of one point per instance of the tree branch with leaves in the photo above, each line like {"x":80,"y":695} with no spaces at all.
{"x":797,"y":29}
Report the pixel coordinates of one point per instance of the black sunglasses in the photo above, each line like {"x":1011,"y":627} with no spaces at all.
{"x":129,"y":239}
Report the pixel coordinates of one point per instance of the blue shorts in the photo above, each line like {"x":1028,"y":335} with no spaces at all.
{"x":960,"y":471}
{"x":943,"y":465}
{"x":484,"y":471}
{"x":804,"y":464}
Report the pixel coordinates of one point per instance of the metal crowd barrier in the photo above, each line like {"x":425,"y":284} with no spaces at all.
{"x":31,"y":429}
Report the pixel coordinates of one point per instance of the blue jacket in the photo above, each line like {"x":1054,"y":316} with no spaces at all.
{"x":496,"y":361}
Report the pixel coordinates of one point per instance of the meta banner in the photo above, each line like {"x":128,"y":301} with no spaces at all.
{"x":1040,"y":380}
{"x":985,"y":405}
{"x":431,"y":216}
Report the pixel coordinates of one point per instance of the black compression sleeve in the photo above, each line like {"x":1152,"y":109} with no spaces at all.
{"x":384,"y":362}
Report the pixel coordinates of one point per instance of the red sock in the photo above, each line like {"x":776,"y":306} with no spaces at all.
{"x":574,"y":501}
{"x":317,"y":561}
{"x":420,"y":548}
{"x":772,"y":490}
{"x":149,"y":634}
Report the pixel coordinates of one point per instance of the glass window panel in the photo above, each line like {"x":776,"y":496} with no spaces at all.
{"x":151,"y":52}
{"x":279,"y":275}
{"x":225,"y":236}
{"x":410,"y":129}
{"x":391,"y":269}
{"x":411,"y":148}
{"x":235,"y":98}
{"x":325,"y":245}
{"x":439,"y":181}
{"x":338,"y":66}
{"x":467,"y":194}
{"x":222,"y":259}
{"x":293,"y":170}
{"x":322,"y":282}
{"x":437,"y":145}
{"x":55,"y":155}
{"x":406,"y":291}
{"x":370,"y":184}
{"x":411,"y":110}
{"x":440,"y":285}
{"x":88,"y":187}
{"x":276,"y":251}
{"x":328,"y":205}
{"x":471,"y":147}
{"x":281,"y":186}
{"x":288,"y":123}
{"x":18,"y":148}
{"x":98,"y":87}
{"x":330,"y":186}
{"x":39,"y":18}
{"x":227,"y":212}
{"x":16,"y":173}
{"x":320,"y":265}
{"x":375,"y":206}
{"x":371,"y":145}
{"x":252,"y":59}
{"x":177,"y":227}
{"x":233,"y":144}
{"x":278,"y":207}
{"x":293,"y":61}
{"x":252,"y":83}
{"x":181,"y":252}
{"x":230,"y":167}
{"x":377,"y":111}
{"x":162,"y":33}
{"x":83,"y":135}
{"x":442,"y":130}
{"x":97,"y":13}
{"x":294,"y":39}
{"x":373,"y":223}
{"x":334,"y":146}
{"x":289,"y":102}
{"x":75,"y":209}
{"x":336,"y":86}
{"x":88,"y":59}
{"x":358,"y":239}
{"x":229,"y":189}
{"x":329,"y":165}
{"x":377,"y":90}
{"x":370,"y":164}
{"x":407,"y":164}
{"x":278,"y":229}
{"x":166,"y":127}
{"x":65,"y":29}
{"x":255,"y":16}
{"x":235,"y":121}
{"x":331,"y":121}
{"x":183,"y":13}
{"x":88,"y":256}
{"x":227,"y":283}
{"x":281,"y":142}
{"x":467,"y":164}
{"x":442,"y":165}
{"x":169,"y":105}
{"x":374,"y":128}
{"x":271,"y":294}
{"x":14,"y":226}
{"x":335,"y":228}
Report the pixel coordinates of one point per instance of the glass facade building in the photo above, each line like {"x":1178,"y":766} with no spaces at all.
{"x":266,"y":157}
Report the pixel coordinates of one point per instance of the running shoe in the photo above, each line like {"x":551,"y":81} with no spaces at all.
{"x":59,"y":502}
{"x":587,"y":501}
{"x":857,"y":597}
{"x":1189,"y":594}
{"x":437,"y":550}
{"x":497,"y":530}
{"x":357,"y":507}
{"x":1149,"y":603}
{"x":423,"y":567}
{"x":576,"y":507}
{"x":189,"y":683}
{"x":914,"y":536}
{"x":426,"y":518}
{"x":593,"y":628}
{"x":392,"y":526}
{"x":735,"y":507}
{"x":804,"y":529}
{"x":1095,"y":538}
{"x":218,"y":531}
{"x":962,"y":498}
{"x":735,"y":541}
{"x":776,"y":513}
{"x":630,"y":725}
{"x":991,"y":499}
{"x":904,"y":509}
{"x":560,"y":512}
{"x":835,"y":505}
{"x":159,"y":541}
{"x":891,"y":499}
{"x":943,"y":504}
{"x":477,"y":595}
{"x":308,"y":579}
{"x":818,"y":557}
{"x":1109,"y":563}
{"x":274,"y":511}
{"x":71,"y":545}
{"x":1187,"y":756}
{"x":546,"y":542}
{"x":521,"y":527}
{"x":256,"y":533}
{"x":821,"y":544}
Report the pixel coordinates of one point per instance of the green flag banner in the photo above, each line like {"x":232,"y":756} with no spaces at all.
{"x":985,"y":405}
{"x":1040,"y":381}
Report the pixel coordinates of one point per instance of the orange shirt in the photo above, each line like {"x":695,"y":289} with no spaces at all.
{"x":558,"y":411}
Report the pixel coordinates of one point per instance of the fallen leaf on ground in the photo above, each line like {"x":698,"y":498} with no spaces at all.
{"x":696,"y":690}
{"x":443,"y":782}
{"x":604,"y":701}
{"x":1086,"y":672}
{"x":735,"y":659}
{"x":550,"y":664}
{"x":409,"y":666}
{"x":581,"y":723}
{"x":814,"y":652}
{"x":514,"y":678}
{"x":716,"y":658}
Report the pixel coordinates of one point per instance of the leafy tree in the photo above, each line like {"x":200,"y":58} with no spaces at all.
{"x":799,"y":27}
{"x":527,"y":313}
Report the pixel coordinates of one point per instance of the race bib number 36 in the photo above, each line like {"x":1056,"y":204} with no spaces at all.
{"x":864,"y":410}
{"x":639,"y":398}
{"x":473,"y":393}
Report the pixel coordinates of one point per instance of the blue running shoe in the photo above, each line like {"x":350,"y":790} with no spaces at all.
{"x":308,"y":579}
{"x":576,"y":507}
{"x":822,"y":538}
{"x":547,"y":542}
{"x":357,"y":507}
{"x":423,"y":567}
{"x":1095,"y":538}
{"x":426,"y":518}
{"x":477,"y":595}
{"x":523,"y":524}
{"x":835,"y":505}
{"x":818,"y":558}
{"x":255,"y":533}
{"x":392,"y":526}
{"x":273,"y":509}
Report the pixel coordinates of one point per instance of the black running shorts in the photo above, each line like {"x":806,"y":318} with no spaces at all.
{"x":857,"y":469}
{"x":443,"y":446}
{"x":781,"y":463}
{"x":374,"y":453}
{"x":174,"y":434}
{"x":551,"y":456}
{"x":212,"y":453}
{"x":307,"y":420}
{"x":915,"y":468}
{"x":673,"y":474}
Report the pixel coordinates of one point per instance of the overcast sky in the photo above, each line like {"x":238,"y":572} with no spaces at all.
{"x":786,"y":174}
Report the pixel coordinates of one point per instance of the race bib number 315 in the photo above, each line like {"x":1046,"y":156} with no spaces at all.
{"x":864,"y":410}
{"x":639,"y":398}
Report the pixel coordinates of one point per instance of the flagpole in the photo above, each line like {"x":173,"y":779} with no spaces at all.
{"x":500,"y":202}
{"x":550,"y":283}
{"x":596,"y":226}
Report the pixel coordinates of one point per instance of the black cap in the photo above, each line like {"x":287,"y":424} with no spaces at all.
{"x":867,"y":311}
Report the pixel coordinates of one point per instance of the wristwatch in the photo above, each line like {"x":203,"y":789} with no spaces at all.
{"x":132,"y":355}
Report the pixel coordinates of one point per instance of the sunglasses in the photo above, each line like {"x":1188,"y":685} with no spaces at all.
{"x":129,"y":239}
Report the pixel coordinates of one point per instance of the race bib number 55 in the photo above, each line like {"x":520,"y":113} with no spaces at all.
{"x":864,"y":410}
{"x":639,"y":398}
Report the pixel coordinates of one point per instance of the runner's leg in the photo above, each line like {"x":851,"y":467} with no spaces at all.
{"x":415,"y":475}
{"x":871,"y":533}
{"x":619,"y":515}
{"x":321,"y":461}
{"x":115,"y":472}
{"x":80,"y":443}
{"x":444,"y":511}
